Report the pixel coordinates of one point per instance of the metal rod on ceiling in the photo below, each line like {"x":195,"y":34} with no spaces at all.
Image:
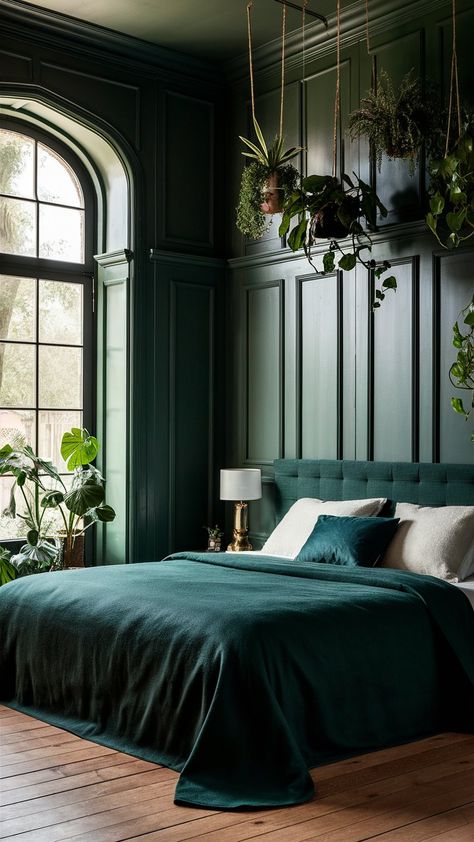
{"x":307,"y":11}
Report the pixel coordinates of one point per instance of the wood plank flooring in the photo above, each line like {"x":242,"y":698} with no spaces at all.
{"x":56,"y":786}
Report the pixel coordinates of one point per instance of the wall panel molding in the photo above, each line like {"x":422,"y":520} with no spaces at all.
{"x":186,"y":480}
{"x":393,"y":368}
{"x":263,"y":398}
{"x":330,"y":327}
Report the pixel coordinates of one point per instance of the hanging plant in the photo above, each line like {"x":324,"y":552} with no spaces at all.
{"x":397,"y":123}
{"x":461,"y":373}
{"x":266,"y":183}
{"x":269,"y":179}
{"x":451,"y":190}
{"x":329,"y":209}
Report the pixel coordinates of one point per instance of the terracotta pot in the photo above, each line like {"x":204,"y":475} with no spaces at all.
{"x":73,"y":555}
{"x":272,"y":195}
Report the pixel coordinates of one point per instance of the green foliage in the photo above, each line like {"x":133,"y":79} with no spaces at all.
{"x":85,"y":498}
{"x":78,"y":448}
{"x":398,"y":123}
{"x":273,"y":157}
{"x":461,"y":373}
{"x":451,"y":190}
{"x":7,"y":569}
{"x":265,"y":161}
{"x":326,"y":208}
{"x":251,"y":220}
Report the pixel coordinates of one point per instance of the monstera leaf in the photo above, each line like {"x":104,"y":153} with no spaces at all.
{"x":84,"y":496}
{"x":78,"y":448}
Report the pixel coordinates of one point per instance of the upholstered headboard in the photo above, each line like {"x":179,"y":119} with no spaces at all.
{"x":404,"y":482}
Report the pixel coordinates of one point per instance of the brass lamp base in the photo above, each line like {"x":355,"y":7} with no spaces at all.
{"x":241,"y":543}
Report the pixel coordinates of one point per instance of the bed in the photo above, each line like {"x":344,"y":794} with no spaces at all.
{"x":242,"y":672}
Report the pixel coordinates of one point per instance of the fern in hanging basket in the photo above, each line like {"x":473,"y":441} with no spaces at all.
{"x":266,"y":182}
{"x":328,"y":209}
{"x":397,"y":123}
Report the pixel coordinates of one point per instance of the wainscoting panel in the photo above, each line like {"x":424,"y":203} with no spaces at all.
{"x":393,"y":370}
{"x":187,"y":171}
{"x":115,"y":101}
{"x":192,"y":310}
{"x":454,"y":287}
{"x":15,"y":67}
{"x":264,"y":383}
{"x":319,"y":120}
{"x":318,"y":333}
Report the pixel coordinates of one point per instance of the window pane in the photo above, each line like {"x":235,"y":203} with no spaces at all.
{"x":60,"y":377}
{"x":17,"y":375}
{"x":17,"y":308}
{"x":17,"y":227}
{"x":16,"y":164}
{"x":60,"y":312}
{"x":57,"y":182}
{"x":17,"y":427}
{"x":61,"y":233}
{"x":52,"y":425}
{"x":11,"y":527}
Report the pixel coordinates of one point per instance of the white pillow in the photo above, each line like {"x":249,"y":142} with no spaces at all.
{"x":294,"y":529}
{"x":435,"y":541}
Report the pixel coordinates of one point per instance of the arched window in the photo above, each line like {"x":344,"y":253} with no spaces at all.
{"x":46,"y":296}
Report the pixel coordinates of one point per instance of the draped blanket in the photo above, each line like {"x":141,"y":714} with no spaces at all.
{"x":241,"y":673}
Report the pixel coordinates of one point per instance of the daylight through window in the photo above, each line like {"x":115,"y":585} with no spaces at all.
{"x":43,"y":303}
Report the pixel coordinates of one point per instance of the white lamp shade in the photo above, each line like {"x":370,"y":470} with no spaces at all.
{"x":241,"y":484}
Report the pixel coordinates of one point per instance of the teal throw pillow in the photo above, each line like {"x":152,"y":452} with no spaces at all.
{"x":348,"y":541}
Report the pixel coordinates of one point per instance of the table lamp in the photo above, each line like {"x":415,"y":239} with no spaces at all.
{"x":241,"y":485}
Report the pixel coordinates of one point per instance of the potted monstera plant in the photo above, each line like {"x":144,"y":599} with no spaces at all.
{"x":266,"y":182}
{"x":328,"y":209}
{"x":79,"y":506}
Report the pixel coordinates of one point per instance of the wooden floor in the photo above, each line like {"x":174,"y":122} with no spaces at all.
{"x":56,"y":786}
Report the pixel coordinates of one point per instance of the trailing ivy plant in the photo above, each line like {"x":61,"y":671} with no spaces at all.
{"x":461,"y":373}
{"x":329,"y":209}
{"x":397,"y":123}
{"x":451,"y":190}
{"x":266,"y":162}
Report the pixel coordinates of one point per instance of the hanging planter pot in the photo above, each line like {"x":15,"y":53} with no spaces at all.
{"x":272,"y":195}
{"x":266,"y":182}
{"x":397,"y":123}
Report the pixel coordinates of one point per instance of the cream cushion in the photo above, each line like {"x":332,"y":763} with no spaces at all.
{"x":435,"y":541}
{"x":294,"y":529}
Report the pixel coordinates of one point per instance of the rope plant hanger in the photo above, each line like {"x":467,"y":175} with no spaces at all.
{"x":397,"y":120}
{"x":269,"y":177}
{"x":454,"y":84}
{"x":334,"y":207}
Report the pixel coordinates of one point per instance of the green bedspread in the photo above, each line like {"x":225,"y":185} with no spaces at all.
{"x":241,"y":673}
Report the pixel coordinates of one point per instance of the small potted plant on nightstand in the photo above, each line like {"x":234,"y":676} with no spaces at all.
{"x":214,"y":537}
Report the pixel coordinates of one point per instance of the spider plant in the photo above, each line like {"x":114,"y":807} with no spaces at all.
{"x":266,"y":181}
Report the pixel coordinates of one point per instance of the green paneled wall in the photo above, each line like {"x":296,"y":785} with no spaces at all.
{"x":353,"y":384}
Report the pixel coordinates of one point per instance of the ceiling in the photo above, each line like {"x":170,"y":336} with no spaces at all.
{"x":213,"y":29}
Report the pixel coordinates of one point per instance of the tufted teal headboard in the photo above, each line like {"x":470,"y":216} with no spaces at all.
{"x":404,"y":482}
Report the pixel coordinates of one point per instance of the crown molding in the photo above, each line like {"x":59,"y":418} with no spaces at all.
{"x":49,"y":28}
{"x":160,"y":256}
{"x":114,"y":258}
{"x":384,"y":14}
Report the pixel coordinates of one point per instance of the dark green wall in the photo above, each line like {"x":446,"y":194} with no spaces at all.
{"x":313,"y":372}
{"x":160,"y":281}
